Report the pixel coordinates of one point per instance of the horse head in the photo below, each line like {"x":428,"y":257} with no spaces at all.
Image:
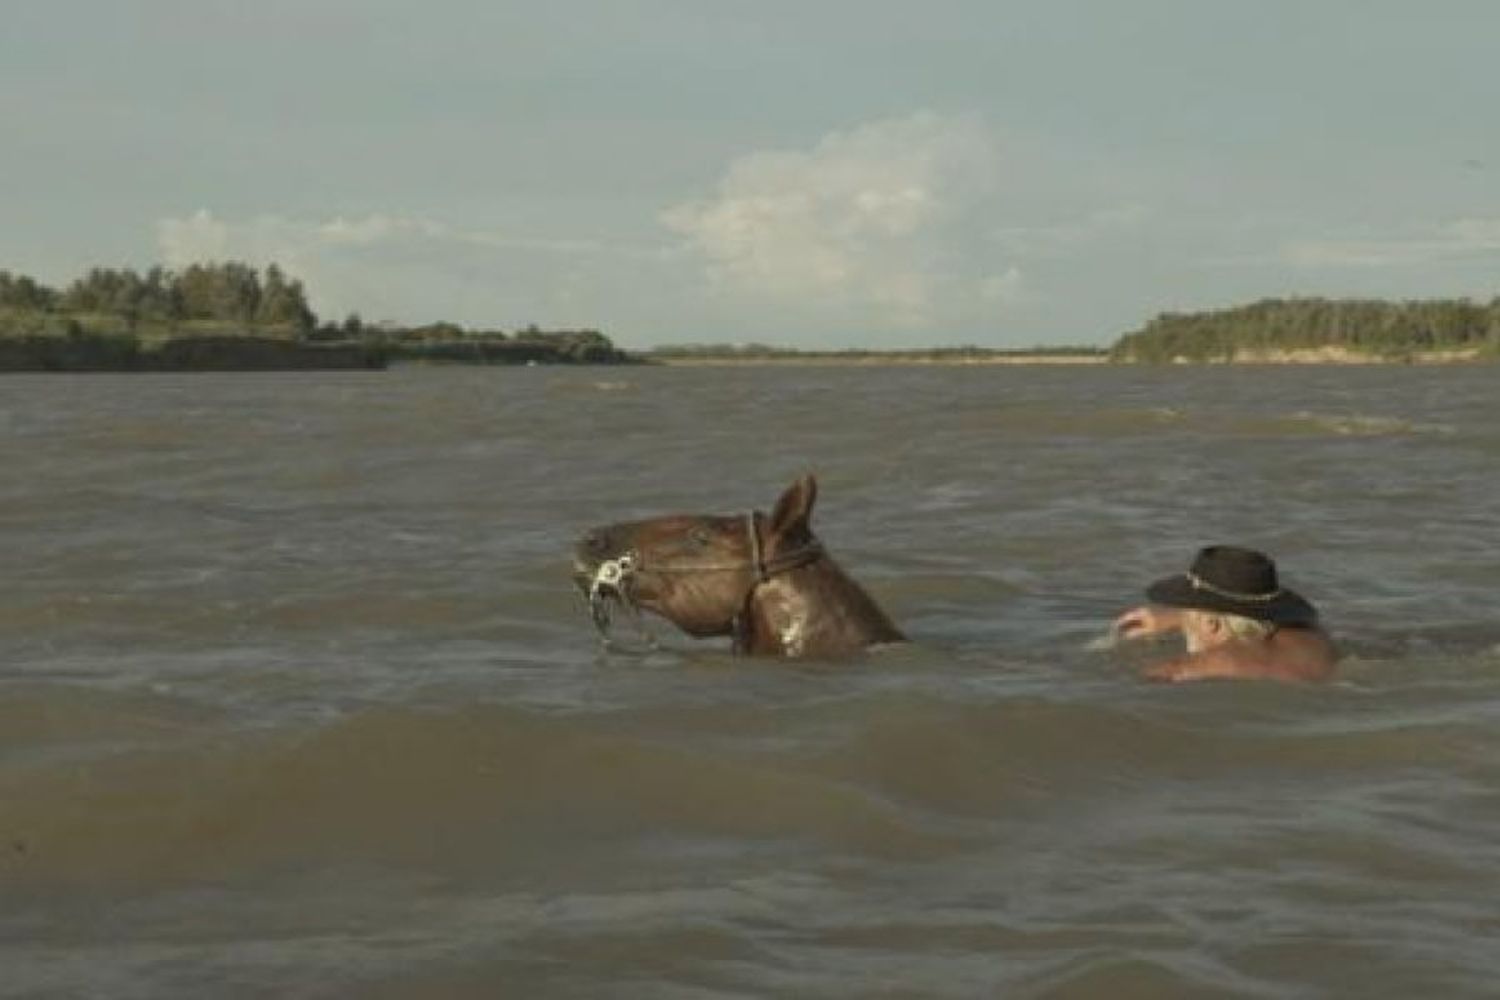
{"x":708,"y":574}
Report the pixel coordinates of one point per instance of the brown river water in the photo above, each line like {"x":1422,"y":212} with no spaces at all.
{"x":297,"y":700}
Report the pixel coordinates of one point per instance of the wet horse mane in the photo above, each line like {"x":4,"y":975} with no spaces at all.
{"x":765,"y":581}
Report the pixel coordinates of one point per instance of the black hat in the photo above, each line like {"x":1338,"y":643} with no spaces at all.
{"x":1235,"y":581}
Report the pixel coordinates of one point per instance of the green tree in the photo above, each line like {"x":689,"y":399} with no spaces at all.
{"x":283,"y":303}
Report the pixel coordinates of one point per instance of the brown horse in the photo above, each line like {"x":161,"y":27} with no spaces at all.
{"x":766,"y":582}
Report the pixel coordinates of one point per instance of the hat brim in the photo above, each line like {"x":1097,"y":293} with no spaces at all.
{"x":1286,"y":608}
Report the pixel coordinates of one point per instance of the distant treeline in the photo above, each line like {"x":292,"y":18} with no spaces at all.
{"x":110,"y":352}
{"x":1359,"y":327}
{"x":201,"y":296}
{"x":451,"y":343}
{"x":229,"y":315}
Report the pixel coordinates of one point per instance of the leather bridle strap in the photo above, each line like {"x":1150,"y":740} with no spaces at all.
{"x":740,"y":626}
{"x":756,"y":556}
{"x":764,"y":568}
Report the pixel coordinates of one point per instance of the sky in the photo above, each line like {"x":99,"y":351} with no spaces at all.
{"x":814,"y":174}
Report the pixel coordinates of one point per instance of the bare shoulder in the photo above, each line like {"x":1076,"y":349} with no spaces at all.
{"x":1288,"y":654}
{"x":1305,"y":642}
{"x":1307,"y":651}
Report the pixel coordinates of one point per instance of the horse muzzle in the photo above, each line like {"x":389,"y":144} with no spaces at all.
{"x":603,"y":575}
{"x":599,"y":562}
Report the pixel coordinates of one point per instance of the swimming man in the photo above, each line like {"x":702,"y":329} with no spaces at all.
{"x":1237,"y":621}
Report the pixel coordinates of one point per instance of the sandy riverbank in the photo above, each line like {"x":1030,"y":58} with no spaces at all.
{"x":890,"y":359}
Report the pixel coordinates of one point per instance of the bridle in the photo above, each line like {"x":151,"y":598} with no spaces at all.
{"x":616,"y":574}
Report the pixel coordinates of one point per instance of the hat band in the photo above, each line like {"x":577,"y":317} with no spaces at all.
{"x":1201,"y":584}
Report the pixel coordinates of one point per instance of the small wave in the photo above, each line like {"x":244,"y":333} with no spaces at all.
{"x":1355,"y":425}
{"x":591,"y":385}
{"x":53,"y":722}
{"x":432,"y":788}
{"x":1049,"y":420}
{"x":883,"y":773}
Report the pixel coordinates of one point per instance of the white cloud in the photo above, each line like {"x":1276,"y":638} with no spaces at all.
{"x":199,"y":237}
{"x":905,"y":230}
{"x":1005,"y":287}
{"x":266,"y":238}
{"x":345,"y":263}
{"x":875,"y":225}
{"x":1062,"y":239}
{"x":1462,"y":239}
{"x":412,"y":269}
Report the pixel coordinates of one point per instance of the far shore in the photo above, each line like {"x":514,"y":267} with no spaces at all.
{"x":1344,"y":356}
{"x":1281,"y":358}
{"x":229,"y":316}
{"x":880,"y":359}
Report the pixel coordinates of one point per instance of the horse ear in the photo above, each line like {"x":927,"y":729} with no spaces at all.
{"x":794,"y":509}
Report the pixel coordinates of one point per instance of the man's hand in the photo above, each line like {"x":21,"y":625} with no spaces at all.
{"x":1138,"y":623}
